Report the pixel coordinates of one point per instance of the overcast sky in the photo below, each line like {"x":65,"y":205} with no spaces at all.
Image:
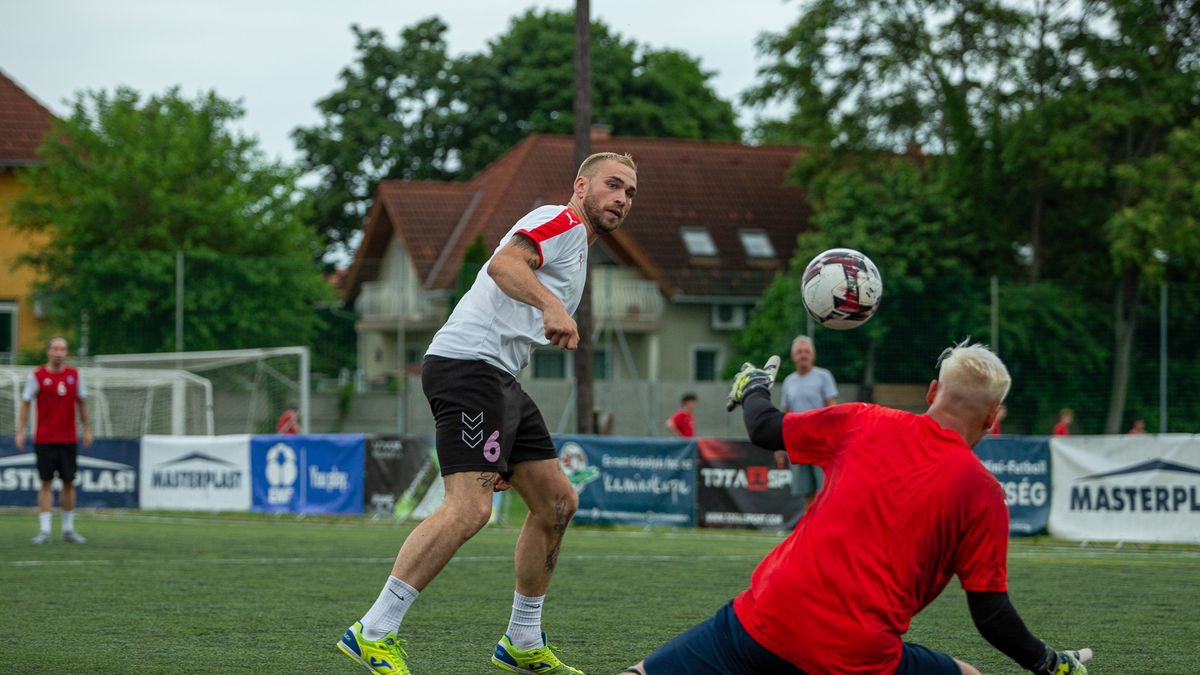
{"x":279,"y":57}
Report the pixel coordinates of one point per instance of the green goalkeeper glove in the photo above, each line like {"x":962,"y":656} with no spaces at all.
{"x":1067,"y":662}
{"x":751,"y":378}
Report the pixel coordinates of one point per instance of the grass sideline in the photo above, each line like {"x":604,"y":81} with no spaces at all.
{"x":183,"y":593}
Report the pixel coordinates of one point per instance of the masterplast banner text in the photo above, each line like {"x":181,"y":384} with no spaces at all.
{"x":1134,"y":488}
{"x":208,"y":473}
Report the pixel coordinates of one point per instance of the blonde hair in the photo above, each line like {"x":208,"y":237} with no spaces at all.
{"x":972,"y":376}
{"x":591,"y":165}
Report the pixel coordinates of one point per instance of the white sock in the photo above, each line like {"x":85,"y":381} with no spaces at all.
{"x":44,"y":521}
{"x":389,"y":609}
{"x":525,"y":626}
{"x":68,"y":521}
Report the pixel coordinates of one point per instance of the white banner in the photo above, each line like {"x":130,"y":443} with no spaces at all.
{"x":1132,"y":488}
{"x":209,"y":473}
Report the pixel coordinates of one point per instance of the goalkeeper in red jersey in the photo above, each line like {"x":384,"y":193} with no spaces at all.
{"x":906,"y":506}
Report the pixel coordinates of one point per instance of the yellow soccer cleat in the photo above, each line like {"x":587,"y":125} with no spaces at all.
{"x":538,"y":661}
{"x":379,"y":656}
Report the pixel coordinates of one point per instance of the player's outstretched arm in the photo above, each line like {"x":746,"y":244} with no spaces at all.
{"x":751,"y":389}
{"x":1000,"y":624}
{"x":751,"y":378}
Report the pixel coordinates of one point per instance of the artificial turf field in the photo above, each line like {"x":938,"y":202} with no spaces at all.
{"x":183,"y":593}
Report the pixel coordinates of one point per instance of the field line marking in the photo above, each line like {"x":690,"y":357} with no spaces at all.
{"x":298,"y":561}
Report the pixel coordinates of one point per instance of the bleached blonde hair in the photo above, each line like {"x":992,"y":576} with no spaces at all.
{"x":972,"y":376}
{"x":591,"y":165}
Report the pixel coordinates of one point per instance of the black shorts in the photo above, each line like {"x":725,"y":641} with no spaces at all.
{"x":60,"y":457}
{"x":720,"y":645}
{"x":485,"y":421}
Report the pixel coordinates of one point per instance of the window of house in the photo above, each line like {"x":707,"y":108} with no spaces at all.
{"x":698,"y":242}
{"x":601,"y":364}
{"x":8,"y":332}
{"x":756,"y":243}
{"x":549,"y":364}
{"x":706,"y":362}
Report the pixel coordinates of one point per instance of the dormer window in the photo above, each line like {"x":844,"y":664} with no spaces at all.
{"x":756,"y":243}
{"x":698,"y":242}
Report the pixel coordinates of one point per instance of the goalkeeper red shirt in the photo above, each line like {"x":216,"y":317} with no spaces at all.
{"x":906,"y":505}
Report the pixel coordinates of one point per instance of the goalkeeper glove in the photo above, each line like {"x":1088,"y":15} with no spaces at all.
{"x":1066,"y":662}
{"x":751,"y":378}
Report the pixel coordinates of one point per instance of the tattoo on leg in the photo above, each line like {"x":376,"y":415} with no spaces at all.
{"x":487,"y":479}
{"x":560,"y":528}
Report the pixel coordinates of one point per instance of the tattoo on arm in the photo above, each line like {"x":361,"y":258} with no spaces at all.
{"x":560,"y":528}
{"x":533,"y":257}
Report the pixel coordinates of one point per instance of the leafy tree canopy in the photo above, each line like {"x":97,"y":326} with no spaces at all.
{"x":127,"y":182}
{"x":412,"y":111}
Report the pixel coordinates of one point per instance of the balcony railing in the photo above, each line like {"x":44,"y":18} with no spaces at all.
{"x":383,"y":301}
{"x":631,"y":301}
{"x":627,"y":300}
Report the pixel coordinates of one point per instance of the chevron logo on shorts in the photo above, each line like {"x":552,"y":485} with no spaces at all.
{"x":472,"y":433}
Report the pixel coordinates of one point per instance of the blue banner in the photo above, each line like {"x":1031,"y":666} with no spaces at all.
{"x":106,"y":474}
{"x":635,"y":481}
{"x":1022,"y":465}
{"x":310,"y":473}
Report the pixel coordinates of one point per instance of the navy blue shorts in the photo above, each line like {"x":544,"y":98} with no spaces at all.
{"x":720,"y":646}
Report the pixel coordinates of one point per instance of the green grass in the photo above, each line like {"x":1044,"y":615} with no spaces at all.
{"x":158,"y":593}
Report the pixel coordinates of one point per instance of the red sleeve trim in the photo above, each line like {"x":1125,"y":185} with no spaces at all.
{"x":551,"y":228}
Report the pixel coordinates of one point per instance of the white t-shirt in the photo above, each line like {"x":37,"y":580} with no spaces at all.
{"x":488,"y":325}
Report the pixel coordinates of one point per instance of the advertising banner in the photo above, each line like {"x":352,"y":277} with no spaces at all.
{"x":399,"y":470}
{"x":635,"y":481}
{"x":106,"y":474}
{"x":740,"y":485}
{"x":308,"y":473}
{"x":1131,"y":488}
{"x":205,"y":473}
{"x":1022,"y":465}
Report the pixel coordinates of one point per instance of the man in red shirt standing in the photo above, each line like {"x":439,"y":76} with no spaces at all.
{"x":59,"y":394}
{"x":906,"y":506}
{"x":683,"y":422}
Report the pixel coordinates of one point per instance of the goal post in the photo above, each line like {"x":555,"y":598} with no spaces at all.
{"x":123,"y":402}
{"x":250,"y":387}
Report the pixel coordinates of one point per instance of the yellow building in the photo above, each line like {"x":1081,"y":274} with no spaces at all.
{"x":23,"y":123}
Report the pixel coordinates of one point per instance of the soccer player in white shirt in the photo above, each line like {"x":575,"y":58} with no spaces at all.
{"x":490,"y":435}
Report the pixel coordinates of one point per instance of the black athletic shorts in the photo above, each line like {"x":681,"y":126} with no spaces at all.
{"x":60,"y":457}
{"x":485,"y":421}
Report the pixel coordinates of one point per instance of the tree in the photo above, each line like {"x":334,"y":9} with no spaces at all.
{"x":1036,"y":121}
{"x":126,"y":183}
{"x":412,"y":111}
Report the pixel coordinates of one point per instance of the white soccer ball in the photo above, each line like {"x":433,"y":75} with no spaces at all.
{"x":841,"y":288}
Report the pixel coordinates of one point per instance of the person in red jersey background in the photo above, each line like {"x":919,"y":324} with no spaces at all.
{"x":289,"y":421}
{"x":1066,"y":417}
{"x":60,"y":397}
{"x":683,"y":422}
{"x":906,"y":506}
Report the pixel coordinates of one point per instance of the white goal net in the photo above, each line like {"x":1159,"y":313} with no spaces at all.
{"x":250,"y":387}
{"x":123,"y":403}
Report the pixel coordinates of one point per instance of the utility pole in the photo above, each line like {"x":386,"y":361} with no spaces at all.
{"x":584,"y":375}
